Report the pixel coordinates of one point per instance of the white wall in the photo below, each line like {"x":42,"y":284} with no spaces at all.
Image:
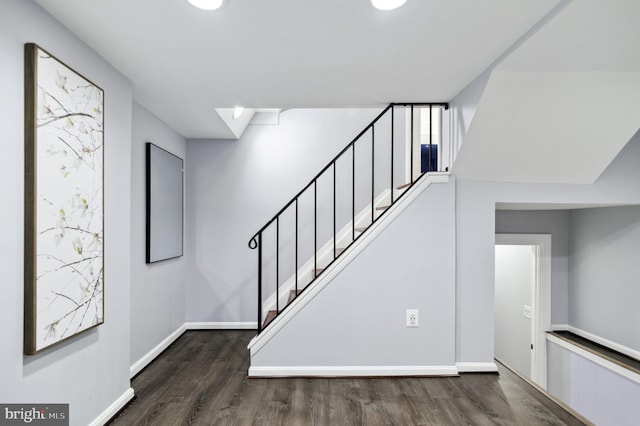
{"x":358,"y":319}
{"x":475,"y":212}
{"x":235,"y":187}
{"x":158,"y":291}
{"x":556,"y":223}
{"x":89,"y":371}
{"x":604,"y":293}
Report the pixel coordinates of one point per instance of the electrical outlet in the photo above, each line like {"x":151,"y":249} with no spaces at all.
{"x":526,"y":311}
{"x":413,"y":319}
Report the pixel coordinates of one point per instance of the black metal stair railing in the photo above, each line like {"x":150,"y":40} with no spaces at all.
{"x":258,"y":239}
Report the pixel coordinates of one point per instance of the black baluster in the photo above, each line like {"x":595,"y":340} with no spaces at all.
{"x":391,"y":155}
{"x":260,"y":280}
{"x":277,"y":265}
{"x":373,"y":143}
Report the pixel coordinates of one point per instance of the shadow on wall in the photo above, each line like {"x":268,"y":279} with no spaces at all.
{"x":34,"y":363}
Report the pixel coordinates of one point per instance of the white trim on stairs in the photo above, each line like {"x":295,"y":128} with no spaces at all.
{"x":336,"y":267}
{"x":354,"y":371}
{"x":477,"y":367}
{"x":113,"y":409}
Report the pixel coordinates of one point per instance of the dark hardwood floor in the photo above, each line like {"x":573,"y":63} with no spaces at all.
{"x":202,"y":380}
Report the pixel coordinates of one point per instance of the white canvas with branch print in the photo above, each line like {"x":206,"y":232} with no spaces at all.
{"x":68,"y":152}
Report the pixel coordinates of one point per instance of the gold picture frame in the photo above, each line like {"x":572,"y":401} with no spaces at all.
{"x":64,"y":202}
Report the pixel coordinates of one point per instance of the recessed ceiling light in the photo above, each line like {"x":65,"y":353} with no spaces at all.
{"x":237,"y":112}
{"x":387,"y":4}
{"x":207,"y":4}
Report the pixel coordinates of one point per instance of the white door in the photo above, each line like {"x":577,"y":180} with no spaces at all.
{"x":539,"y":279}
{"x":515,"y":276}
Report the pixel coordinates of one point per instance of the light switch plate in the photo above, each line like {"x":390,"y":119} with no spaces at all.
{"x":526,"y":311}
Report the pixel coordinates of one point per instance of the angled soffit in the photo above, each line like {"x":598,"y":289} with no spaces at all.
{"x":561,"y":106}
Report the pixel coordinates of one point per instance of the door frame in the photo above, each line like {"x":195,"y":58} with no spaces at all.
{"x":541,"y":298}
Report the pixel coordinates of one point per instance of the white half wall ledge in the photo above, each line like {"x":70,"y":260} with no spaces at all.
{"x":477,"y":367}
{"x":599,"y":340}
{"x":114,"y":408}
{"x":354,"y":371}
{"x":622,"y":371}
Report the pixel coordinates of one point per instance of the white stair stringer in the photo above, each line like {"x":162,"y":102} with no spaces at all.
{"x":344,"y":260}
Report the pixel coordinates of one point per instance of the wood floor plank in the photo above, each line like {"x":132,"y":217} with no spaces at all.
{"x":317,"y":393}
{"x":420,"y":407}
{"x":202,"y":380}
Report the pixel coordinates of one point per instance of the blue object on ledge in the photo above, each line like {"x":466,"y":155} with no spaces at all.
{"x":424,"y":158}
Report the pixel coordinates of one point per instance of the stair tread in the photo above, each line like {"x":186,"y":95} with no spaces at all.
{"x":403,"y":186}
{"x":360,"y":229}
{"x":382,"y":207}
{"x":293,"y":294}
{"x":270,"y":317}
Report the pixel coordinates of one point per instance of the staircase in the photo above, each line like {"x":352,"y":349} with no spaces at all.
{"x":344,"y":200}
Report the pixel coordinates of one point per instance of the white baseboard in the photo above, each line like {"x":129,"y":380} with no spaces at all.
{"x":559,"y":327}
{"x":249,"y":325}
{"x":477,"y":367}
{"x":113,"y":409}
{"x":157,"y":350}
{"x":354,"y":371}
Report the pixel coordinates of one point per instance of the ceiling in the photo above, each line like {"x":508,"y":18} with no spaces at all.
{"x":184,"y":63}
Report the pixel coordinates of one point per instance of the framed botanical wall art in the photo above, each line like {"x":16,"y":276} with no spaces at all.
{"x":64,"y":232}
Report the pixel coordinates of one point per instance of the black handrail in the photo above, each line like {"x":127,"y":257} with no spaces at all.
{"x":257,"y":240}
{"x":286,"y":206}
{"x":391,"y":105}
